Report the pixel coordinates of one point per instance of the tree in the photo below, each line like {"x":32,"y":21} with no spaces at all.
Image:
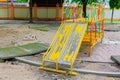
{"x":84,"y":3}
{"x":30,"y":9}
{"x":114,"y":4}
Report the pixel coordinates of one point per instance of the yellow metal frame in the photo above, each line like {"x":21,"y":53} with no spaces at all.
{"x":3,"y":0}
{"x":64,"y":33}
{"x":58,"y":71}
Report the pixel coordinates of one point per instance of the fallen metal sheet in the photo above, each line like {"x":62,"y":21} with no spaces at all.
{"x":28,"y":49}
{"x":116,"y":58}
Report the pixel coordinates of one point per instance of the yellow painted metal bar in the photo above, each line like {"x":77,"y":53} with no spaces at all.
{"x":43,"y":58}
{"x":59,"y":71}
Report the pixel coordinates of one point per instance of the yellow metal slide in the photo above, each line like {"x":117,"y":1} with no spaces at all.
{"x":65,"y":46}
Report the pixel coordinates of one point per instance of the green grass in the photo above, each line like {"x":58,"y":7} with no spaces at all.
{"x":42,"y":28}
{"x":109,"y":22}
{"x":23,"y":50}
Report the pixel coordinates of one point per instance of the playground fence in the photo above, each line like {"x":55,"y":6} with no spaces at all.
{"x":12,"y":12}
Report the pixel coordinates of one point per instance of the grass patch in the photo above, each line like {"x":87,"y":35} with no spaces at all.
{"x":109,"y":22}
{"x":42,"y":28}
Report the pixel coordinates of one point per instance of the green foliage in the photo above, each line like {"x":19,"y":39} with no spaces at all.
{"x":21,"y":1}
{"x":85,"y":1}
{"x":91,"y":1}
{"x":114,"y":4}
{"x":77,"y":1}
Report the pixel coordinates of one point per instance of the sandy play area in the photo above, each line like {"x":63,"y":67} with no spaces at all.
{"x":14,"y":70}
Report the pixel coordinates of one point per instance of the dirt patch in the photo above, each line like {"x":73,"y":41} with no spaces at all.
{"x":15,"y":36}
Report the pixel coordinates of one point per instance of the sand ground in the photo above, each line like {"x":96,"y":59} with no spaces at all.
{"x":13,"y":34}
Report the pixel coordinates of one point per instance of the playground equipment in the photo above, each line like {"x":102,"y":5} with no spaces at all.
{"x":73,"y":32}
